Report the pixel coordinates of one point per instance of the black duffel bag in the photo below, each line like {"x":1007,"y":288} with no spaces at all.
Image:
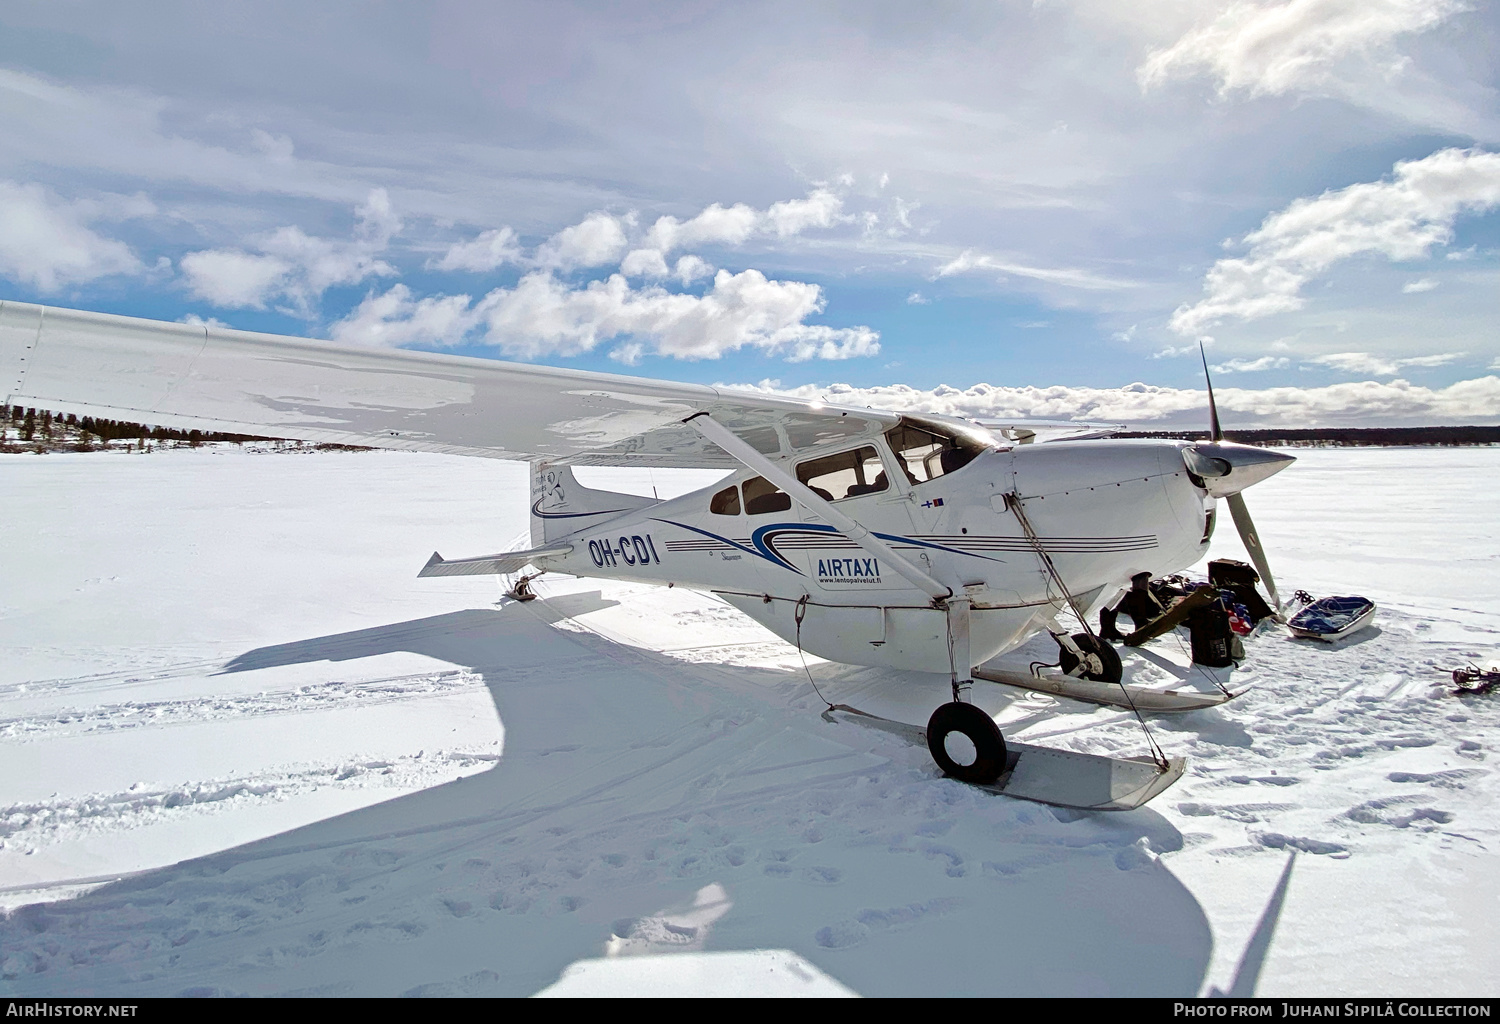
{"x":1214,"y":643}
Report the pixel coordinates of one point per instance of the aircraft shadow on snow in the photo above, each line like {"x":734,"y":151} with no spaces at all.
{"x":465,"y":885}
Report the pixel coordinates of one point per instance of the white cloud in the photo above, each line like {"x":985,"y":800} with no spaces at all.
{"x":278,"y":147}
{"x":1301,"y":45}
{"x":395,"y":318}
{"x":821,"y":209}
{"x":1364,"y":362}
{"x":1367,"y":403}
{"x":1253,"y":365}
{"x":1401,"y":219}
{"x":690,"y":269}
{"x":734,"y":225}
{"x":1172,"y":352}
{"x":597,"y":240}
{"x":491,"y":249}
{"x":901,"y":217}
{"x":194,"y":320}
{"x":293,"y":266}
{"x":644,"y":263}
{"x":235,"y":279}
{"x":1071,"y":277}
{"x":1425,"y":284}
{"x":543,"y":316}
{"x":45,"y":242}
{"x":716,"y":225}
{"x":917,"y":299}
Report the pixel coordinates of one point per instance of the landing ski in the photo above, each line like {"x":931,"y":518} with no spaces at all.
{"x":1112,"y":695}
{"x":1046,"y":775}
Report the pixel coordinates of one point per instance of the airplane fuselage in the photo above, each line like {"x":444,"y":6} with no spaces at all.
{"x":1103,"y":510}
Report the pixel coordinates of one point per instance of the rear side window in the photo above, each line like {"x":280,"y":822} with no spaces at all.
{"x":726,"y":502}
{"x":845,"y":475}
{"x":762,"y":496}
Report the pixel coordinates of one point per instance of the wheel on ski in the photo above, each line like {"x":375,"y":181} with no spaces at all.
{"x":966,"y":743}
{"x":1108,"y":657}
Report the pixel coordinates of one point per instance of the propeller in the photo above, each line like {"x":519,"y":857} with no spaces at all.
{"x":1215,"y":432}
{"x":1253,"y":465}
{"x":1246,"y":526}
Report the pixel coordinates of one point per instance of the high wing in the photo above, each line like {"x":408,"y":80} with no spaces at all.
{"x":211,"y":378}
{"x":1025,"y":431}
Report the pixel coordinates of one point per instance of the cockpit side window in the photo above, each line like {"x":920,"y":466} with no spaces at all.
{"x":845,"y":475}
{"x":927,"y":454}
{"x":726,"y":502}
{"x":762,"y":496}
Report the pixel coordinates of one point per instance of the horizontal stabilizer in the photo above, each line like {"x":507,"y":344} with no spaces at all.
{"x":490,"y":565}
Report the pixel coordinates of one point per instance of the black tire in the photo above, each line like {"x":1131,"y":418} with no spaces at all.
{"x":981,"y":730}
{"x":1108,"y":656}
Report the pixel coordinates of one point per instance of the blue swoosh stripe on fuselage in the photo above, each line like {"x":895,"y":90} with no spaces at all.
{"x":715,"y":536}
{"x":536,"y":510}
{"x":765,"y":548}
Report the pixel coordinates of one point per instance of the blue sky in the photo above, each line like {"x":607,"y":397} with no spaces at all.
{"x":1055,"y":200}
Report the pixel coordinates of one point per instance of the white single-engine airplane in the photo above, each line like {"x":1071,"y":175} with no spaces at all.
{"x":873,"y":538}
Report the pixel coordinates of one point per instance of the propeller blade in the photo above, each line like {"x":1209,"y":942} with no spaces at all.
{"x":1216,"y":432}
{"x":1246,"y":526}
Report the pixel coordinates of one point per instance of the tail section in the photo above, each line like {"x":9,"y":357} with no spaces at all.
{"x":561,"y":506}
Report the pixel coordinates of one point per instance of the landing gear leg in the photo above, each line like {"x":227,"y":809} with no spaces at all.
{"x":963,"y":739}
{"x":960,"y":669}
{"x":1089,"y":657}
{"x":522,"y":590}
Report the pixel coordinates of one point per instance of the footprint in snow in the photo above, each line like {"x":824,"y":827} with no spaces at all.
{"x":469,"y":985}
{"x":955,"y":859}
{"x":1277,"y":841}
{"x":821,"y":875}
{"x":1449,"y":779}
{"x":841,"y":935}
{"x":847,"y":933}
{"x":1265,"y":780}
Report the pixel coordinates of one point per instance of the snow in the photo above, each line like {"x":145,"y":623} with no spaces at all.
{"x":244,"y":750}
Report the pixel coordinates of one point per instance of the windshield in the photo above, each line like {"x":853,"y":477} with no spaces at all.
{"x":928,"y":452}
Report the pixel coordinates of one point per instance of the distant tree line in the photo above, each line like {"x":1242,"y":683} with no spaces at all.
{"x":31,"y":426}
{"x":1354,"y":436}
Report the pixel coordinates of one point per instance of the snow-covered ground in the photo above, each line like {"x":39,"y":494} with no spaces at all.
{"x":243,"y":749}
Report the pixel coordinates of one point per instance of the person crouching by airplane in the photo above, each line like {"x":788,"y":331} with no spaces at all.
{"x":1139,"y":603}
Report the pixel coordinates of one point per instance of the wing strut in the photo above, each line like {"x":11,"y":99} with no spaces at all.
{"x":778,"y":475}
